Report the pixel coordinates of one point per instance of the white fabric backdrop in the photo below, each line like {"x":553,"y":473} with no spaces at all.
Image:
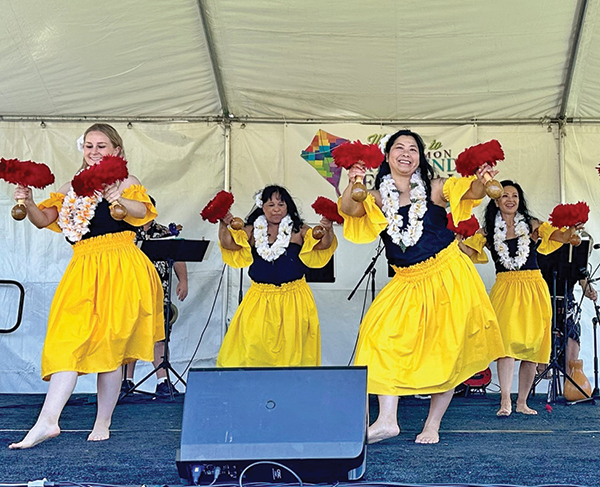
{"x":183,"y":166}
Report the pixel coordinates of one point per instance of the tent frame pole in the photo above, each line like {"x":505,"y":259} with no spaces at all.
{"x":570,"y":72}
{"x":227,"y":186}
{"x":214,"y":59}
{"x":561,"y":128}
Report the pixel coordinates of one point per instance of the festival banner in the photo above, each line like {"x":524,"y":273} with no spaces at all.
{"x":308,"y":158}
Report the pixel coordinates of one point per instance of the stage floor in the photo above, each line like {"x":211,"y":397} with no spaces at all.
{"x":561,"y":446}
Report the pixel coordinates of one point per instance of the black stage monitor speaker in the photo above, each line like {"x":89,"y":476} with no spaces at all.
{"x":258,"y":424}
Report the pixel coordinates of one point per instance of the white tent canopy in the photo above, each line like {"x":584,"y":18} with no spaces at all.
{"x":297,"y":60}
{"x":214,"y":94}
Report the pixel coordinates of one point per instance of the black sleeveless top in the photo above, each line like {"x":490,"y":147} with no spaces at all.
{"x":286,"y":268}
{"x":102,"y":223}
{"x":531,"y":263}
{"x":436,"y":237}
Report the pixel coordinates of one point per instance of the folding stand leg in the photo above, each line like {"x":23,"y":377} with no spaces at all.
{"x":164,"y":364}
{"x":554,"y":388}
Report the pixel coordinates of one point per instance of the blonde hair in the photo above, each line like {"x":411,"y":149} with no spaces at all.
{"x":112,"y":134}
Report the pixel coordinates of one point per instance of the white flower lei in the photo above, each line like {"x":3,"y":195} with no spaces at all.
{"x":390,"y":198}
{"x":522,"y":232}
{"x":261,"y":239}
{"x":75,"y":215}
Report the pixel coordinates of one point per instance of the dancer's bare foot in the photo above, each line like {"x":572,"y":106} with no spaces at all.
{"x":380,"y":431}
{"x":504,"y":412}
{"x":428,"y":436}
{"x":100,"y":432}
{"x":36,"y":435}
{"x":505,"y":408}
{"x":525,"y":409}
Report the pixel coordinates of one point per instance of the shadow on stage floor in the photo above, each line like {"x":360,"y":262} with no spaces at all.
{"x":561,"y":446}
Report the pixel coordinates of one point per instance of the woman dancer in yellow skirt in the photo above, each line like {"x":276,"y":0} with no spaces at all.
{"x":432,"y":327}
{"x":520,"y":295}
{"x":276,"y":323}
{"x":107,"y":309}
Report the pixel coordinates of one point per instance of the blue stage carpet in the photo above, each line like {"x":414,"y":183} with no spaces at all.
{"x":561,"y":446}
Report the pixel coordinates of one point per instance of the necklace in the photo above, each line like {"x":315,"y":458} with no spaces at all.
{"x":522,"y":232}
{"x":261,"y":238}
{"x":390,"y":199}
{"x":75,"y":215}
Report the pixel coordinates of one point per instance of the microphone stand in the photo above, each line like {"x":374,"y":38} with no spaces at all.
{"x":369,"y":270}
{"x":595,"y":320}
{"x":241,"y":291}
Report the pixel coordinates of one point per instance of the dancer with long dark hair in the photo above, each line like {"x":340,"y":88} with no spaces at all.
{"x":277,"y":322}
{"x":432,"y":327}
{"x":520,"y":295}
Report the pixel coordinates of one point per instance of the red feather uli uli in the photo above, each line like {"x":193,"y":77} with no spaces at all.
{"x":569,"y":215}
{"x":471,"y":159}
{"x":26,"y":173}
{"x":466,"y":228}
{"x":328,"y":209}
{"x":108,"y":171}
{"x":217,"y":208}
{"x":350,"y":153}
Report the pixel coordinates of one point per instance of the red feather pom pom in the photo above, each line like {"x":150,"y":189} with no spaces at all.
{"x":26,"y":173}
{"x":471,"y":159}
{"x":218,"y":207}
{"x":327,"y":208}
{"x":108,"y":171}
{"x":569,"y":215}
{"x":466,"y":228}
{"x":350,"y":153}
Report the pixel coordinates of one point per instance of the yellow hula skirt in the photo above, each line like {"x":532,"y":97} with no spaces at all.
{"x":273,"y":326}
{"x":522,"y":303}
{"x":107,"y":310}
{"x":431,"y":328}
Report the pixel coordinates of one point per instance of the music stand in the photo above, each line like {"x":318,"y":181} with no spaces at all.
{"x":561,"y":270}
{"x":170,"y":251}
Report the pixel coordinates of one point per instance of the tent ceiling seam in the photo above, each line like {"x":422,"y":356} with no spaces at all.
{"x":304,"y":121}
{"x":573,"y":59}
{"x":214,"y":60}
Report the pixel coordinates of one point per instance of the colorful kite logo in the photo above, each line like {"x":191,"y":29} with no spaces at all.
{"x":318,"y":155}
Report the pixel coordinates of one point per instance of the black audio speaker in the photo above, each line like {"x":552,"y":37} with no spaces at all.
{"x":273,"y":424}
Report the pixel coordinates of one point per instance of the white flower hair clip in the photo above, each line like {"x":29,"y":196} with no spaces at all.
{"x":80,"y":142}
{"x":383,"y":142}
{"x":258,"y":199}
